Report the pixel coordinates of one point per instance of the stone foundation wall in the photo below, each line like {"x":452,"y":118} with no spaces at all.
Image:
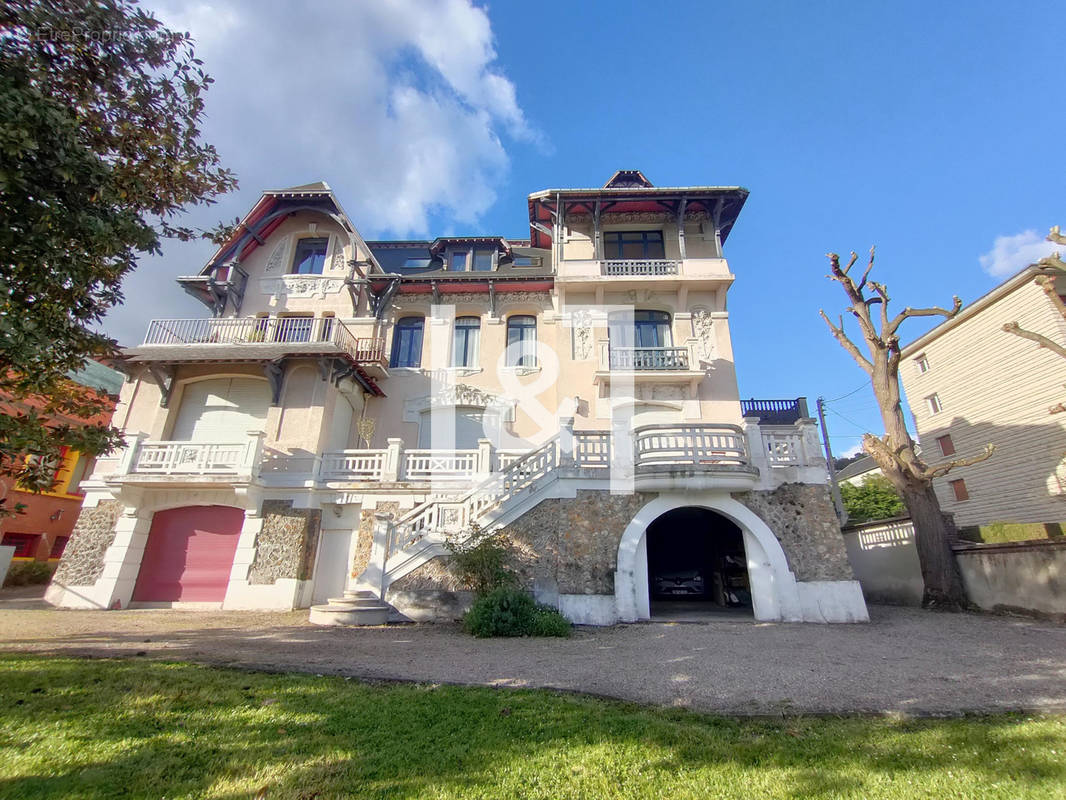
{"x":365,"y":536}
{"x":285,"y":547}
{"x":83,"y":559}
{"x":802,"y":517}
{"x":561,"y":546}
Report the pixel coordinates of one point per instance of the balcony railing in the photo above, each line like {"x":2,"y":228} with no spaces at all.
{"x":179,"y":458}
{"x":640,"y":267}
{"x":265,"y":331}
{"x":690,"y":445}
{"x":648,"y":358}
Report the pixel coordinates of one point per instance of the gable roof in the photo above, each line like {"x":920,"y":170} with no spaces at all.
{"x":626,"y":178}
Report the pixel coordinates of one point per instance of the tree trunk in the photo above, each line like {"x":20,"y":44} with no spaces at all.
{"x":933,"y":535}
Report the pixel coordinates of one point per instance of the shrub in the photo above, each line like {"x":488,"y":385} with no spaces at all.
{"x":28,"y":573}
{"x":481,"y":561}
{"x":510,"y":612}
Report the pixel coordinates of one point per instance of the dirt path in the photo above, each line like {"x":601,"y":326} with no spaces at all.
{"x":905,"y":660}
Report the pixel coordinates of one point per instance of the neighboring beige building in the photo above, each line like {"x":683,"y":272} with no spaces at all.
{"x":970,"y":383}
{"x":352,"y":405}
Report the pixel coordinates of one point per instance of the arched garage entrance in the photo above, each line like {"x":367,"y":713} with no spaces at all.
{"x":773,"y":585}
{"x":189,"y":555}
{"x":697,"y":565}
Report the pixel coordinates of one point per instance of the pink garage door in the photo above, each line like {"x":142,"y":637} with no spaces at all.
{"x":189,"y":554}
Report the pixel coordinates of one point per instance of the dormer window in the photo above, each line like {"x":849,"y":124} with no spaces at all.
{"x":483,"y":260}
{"x":458,"y":261}
{"x":633,"y":245}
{"x":310,"y":258}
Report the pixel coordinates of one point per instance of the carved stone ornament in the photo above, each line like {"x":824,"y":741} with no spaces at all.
{"x":703,"y":330}
{"x":659,"y":391}
{"x":301,"y":286}
{"x":459,"y":394}
{"x":582,"y":324}
{"x":277,"y":255}
{"x":337,"y":265}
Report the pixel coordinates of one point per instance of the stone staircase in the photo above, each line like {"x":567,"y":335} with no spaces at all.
{"x":356,"y":607}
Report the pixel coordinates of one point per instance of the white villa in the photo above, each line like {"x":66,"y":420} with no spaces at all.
{"x":349,"y":406}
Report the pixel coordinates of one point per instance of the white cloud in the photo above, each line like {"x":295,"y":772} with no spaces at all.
{"x":1011,"y":253}
{"x":854,"y":450}
{"x":400,"y":105}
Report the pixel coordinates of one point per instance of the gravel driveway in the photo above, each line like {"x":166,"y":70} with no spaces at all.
{"x":905,"y":660}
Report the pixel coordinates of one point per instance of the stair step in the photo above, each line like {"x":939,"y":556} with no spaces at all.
{"x":344,"y":614}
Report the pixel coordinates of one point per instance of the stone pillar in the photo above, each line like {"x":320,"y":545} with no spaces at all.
{"x":254,"y":454}
{"x":393,"y":460}
{"x":373,"y":577}
{"x":566,"y":443}
{"x":485,"y":458}
{"x":122,"y":560}
{"x":757,"y":456}
{"x":129,"y":456}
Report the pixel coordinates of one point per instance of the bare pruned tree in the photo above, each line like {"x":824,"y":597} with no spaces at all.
{"x":895,"y":452}
{"x":1047,"y":283}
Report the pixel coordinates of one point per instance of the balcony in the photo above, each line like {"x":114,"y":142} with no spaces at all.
{"x":649,"y":364}
{"x":181,"y":463}
{"x":629,"y":267}
{"x":698,"y":456}
{"x":259,"y":338}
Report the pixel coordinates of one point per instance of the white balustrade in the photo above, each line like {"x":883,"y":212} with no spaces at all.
{"x":783,"y":449}
{"x":659,"y":266}
{"x":353,"y":465}
{"x":190,"y":458}
{"x":425,"y":465}
{"x":696,"y":445}
{"x":592,"y":449}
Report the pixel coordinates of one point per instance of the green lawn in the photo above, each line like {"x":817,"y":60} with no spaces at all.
{"x":92,"y":729}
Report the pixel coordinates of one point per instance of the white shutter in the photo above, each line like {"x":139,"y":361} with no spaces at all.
{"x":221,"y":410}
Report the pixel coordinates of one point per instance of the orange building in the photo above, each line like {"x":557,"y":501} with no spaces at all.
{"x":41,"y":531}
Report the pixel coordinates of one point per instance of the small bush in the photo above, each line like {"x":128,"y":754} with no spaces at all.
{"x":480,"y":560}
{"x":511,"y":612}
{"x":28,"y":573}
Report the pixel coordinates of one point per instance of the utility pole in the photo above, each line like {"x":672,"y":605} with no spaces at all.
{"x":838,"y":501}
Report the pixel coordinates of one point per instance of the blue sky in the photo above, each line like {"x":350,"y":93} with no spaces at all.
{"x":933,"y":132}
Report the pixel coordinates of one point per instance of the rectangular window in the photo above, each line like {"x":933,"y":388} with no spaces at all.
{"x":294,"y":328}
{"x":25,"y":544}
{"x":959,"y":488}
{"x":923,"y":363}
{"x":407,"y":343}
{"x":310,"y":258}
{"x":633,"y":245}
{"x":947,"y":447}
{"x":526,"y":261}
{"x":933,"y":402}
{"x":458,"y":261}
{"x":483,"y":260}
{"x":465,"y":342}
{"x":522,"y":341}
{"x":58,"y":546}
{"x":416,"y":263}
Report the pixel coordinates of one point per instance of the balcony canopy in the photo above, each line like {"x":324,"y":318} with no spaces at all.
{"x":628,"y":192}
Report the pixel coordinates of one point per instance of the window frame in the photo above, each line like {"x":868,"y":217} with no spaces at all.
{"x":947,"y":446}
{"x":958,"y":488}
{"x":934,"y":404}
{"x":456,"y":254}
{"x":302,"y":243}
{"x":619,"y":239}
{"x":534,"y":261}
{"x":482,"y":252}
{"x":407,"y":325}
{"x":26,"y":546}
{"x":471,"y":341}
{"x":523,"y":356}
{"x":922,"y":362}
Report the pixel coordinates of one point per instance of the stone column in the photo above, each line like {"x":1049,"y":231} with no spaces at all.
{"x":393,"y":460}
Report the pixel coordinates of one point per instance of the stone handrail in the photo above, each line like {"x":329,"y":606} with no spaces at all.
{"x":696,"y":445}
{"x":636,"y":266}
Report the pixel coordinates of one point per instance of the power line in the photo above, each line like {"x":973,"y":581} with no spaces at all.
{"x":862,"y":385}
{"x":850,"y":421}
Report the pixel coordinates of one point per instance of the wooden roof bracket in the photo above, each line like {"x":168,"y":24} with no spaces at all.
{"x":163,"y":375}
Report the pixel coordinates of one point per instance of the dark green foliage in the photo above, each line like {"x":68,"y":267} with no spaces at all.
{"x":873,"y":499}
{"x":512,"y":612}
{"x":480,"y":561}
{"x":99,"y":150}
{"x":28,"y":573}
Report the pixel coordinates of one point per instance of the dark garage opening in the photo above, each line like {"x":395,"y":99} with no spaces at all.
{"x":697,"y":565}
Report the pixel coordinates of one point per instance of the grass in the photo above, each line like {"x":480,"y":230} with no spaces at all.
{"x":100,"y":729}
